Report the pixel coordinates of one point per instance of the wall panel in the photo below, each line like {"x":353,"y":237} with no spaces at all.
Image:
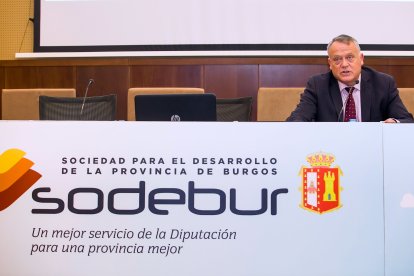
{"x":403,"y":74}
{"x":1,"y":77}
{"x":39,"y":77}
{"x":16,"y":31}
{"x":288,"y":75}
{"x":1,"y":84}
{"x":108,"y":80}
{"x":166,"y":75}
{"x":233,"y":81}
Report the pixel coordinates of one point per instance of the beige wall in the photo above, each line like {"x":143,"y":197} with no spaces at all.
{"x":14,"y":17}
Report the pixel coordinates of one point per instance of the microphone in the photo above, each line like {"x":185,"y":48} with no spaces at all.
{"x":344,"y":104}
{"x":91,"y":81}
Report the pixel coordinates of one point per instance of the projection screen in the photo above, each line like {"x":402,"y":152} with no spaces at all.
{"x":220,"y":25}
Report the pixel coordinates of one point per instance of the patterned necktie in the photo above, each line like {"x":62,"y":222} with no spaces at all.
{"x":350,"y":112}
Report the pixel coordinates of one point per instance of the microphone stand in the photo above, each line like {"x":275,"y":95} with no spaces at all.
{"x":342,"y":109}
{"x":91,"y":81}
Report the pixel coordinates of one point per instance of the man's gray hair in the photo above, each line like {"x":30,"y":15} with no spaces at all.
{"x":343,"y":38}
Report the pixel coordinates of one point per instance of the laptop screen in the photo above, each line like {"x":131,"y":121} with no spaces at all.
{"x":175,"y":107}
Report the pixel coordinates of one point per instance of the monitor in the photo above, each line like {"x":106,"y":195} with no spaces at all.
{"x":175,"y":107}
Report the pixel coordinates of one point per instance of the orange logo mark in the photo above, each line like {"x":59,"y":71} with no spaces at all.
{"x":16,"y":177}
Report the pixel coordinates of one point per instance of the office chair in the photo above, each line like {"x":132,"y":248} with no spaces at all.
{"x":98,"y":108}
{"x":407,"y":97}
{"x":23,"y":104}
{"x":234,"y":109}
{"x":276,"y":103}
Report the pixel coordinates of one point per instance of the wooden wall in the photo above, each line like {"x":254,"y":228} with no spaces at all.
{"x":226,"y":77}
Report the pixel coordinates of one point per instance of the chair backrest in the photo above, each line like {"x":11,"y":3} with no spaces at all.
{"x":276,"y":103}
{"x":98,"y":108}
{"x":407,"y":96}
{"x":23,"y":104}
{"x":132,"y":92}
{"x":234,"y":109}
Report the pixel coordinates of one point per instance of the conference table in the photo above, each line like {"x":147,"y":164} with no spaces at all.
{"x":206,"y":198}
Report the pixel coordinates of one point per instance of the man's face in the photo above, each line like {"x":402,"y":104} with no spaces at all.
{"x":345,"y":61}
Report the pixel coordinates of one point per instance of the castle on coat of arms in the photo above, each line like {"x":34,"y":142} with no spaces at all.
{"x":320,"y":184}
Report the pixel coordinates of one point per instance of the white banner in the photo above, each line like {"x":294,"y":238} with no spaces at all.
{"x":129,"y":198}
{"x":399,"y":199}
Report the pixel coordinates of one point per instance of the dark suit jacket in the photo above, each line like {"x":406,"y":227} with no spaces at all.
{"x":321,"y":101}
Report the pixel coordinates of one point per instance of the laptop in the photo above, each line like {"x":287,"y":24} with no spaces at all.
{"x":175,"y":107}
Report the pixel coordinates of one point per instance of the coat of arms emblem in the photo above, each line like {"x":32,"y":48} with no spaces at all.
{"x":321,"y":191}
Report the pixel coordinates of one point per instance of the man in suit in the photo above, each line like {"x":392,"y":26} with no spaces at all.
{"x":374,"y":95}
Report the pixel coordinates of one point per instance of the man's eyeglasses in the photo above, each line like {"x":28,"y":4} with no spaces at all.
{"x":338,"y":60}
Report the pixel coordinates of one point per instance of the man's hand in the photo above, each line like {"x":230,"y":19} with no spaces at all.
{"x":391,"y":120}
